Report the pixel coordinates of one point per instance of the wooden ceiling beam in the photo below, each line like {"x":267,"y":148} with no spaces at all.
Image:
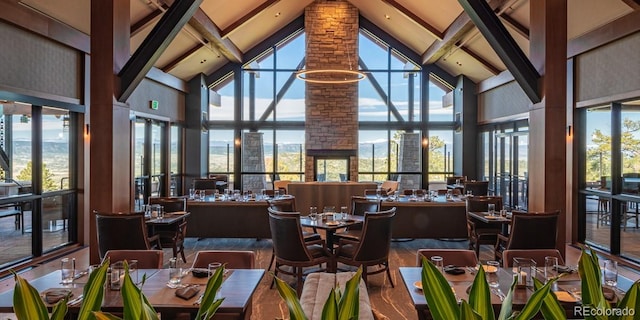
{"x":519,"y":28}
{"x":145,"y":21}
{"x":487,"y":65}
{"x":154,"y":45}
{"x":203,"y":24}
{"x":454,"y":33}
{"x":413,"y":17}
{"x":503,"y":44}
{"x":247,"y":17}
{"x":173,"y":63}
{"x":633,"y":4}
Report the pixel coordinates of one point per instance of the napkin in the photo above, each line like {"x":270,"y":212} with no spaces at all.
{"x":52,"y":296}
{"x":188,"y":292}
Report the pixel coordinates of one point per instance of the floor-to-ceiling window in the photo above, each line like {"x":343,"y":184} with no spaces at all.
{"x":608,"y":206}
{"x":150,"y":161}
{"x":37,"y":186}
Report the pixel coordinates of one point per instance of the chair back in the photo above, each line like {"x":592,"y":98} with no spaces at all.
{"x":376,"y":237}
{"x":286,"y":204}
{"x":389,"y":187}
{"x":219,"y":177}
{"x":453,"y":179}
{"x":170,"y":204}
{"x":232,"y":259}
{"x":479,"y":203}
{"x":204,"y":184}
{"x":286,"y":233}
{"x":121,"y":231}
{"x":360,"y":205}
{"x":456,"y":257}
{"x":533,"y":230}
{"x":147,"y":259}
{"x":536,"y":255}
{"x":282,"y":185}
{"x":419,"y":192}
{"x":477,"y":188}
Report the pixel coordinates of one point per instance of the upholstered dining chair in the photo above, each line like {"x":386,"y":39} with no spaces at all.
{"x":291,"y":249}
{"x":205,"y":184}
{"x":477,"y":188}
{"x":452,"y":180}
{"x":232,"y":259}
{"x":372,"y":249}
{"x":456,"y":257}
{"x":529,"y":230}
{"x":536,"y":255}
{"x":170,"y":204}
{"x":147,"y":259}
{"x":359,"y":206}
{"x":118,"y":231}
{"x":174,"y":239}
{"x":479,"y":232}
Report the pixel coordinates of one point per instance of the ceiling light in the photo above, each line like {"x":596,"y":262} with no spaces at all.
{"x":278,"y":14}
{"x":388,"y":17}
{"x":332,"y":76}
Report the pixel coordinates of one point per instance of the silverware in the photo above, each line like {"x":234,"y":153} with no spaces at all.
{"x":497,"y":293}
{"x":504,"y":296}
{"x":75,"y":300}
{"x":197,"y":302}
{"x":80,"y":274}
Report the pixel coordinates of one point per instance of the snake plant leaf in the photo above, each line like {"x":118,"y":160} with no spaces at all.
{"x":27,"y":303}
{"x":630,"y":301}
{"x":592,"y":295}
{"x":93,"y":292}
{"x":209,"y":305}
{"x":480,"y":296}
{"x":551,"y":308}
{"x":330,"y":308}
{"x":507,"y":304}
{"x":349,"y":306}
{"x":290,"y":297}
{"x":535,"y":302}
{"x":438,"y":293}
{"x":99,"y":315}
{"x":467,"y":312}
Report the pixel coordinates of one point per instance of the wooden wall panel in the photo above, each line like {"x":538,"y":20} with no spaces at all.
{"x":506,"y":101}
{"x":171,"y":101}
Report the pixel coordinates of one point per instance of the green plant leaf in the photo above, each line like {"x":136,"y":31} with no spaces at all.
{"x":99,"y":315}
{"x":209,"y":305}
{"x":507,"y":303}
{"x":135,"y":303}
{"x":349,"y":306}
{"x":480,"y":296}
{"x":551,"y":308}
{"x":290,"y":297}
{"x":467,"y":312}
{"x":592,"y":295}
{"x":535,"y":302}
{"x":59,"y":311}
{"x":630,"y":301}
{"x":27,"y":303}
{"x":438,"y":293}
{"x":330,"y":308}
{"x":93,"y":292}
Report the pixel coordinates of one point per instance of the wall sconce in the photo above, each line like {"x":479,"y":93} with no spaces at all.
{"x":237,"y":142}
{"x":86,"y":130}
{"x":425,"y":142}
{"x":570,"y":131}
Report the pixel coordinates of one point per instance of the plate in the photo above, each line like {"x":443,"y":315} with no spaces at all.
{"x":488,"y":269}
{"x":179,"y":212}
{"x":332,"y":223}
{"x":418,"y":285}
{"x":565,"y":296}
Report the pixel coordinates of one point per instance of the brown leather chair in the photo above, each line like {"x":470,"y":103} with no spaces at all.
{"x":290,"y":247}
{"x":479,"y":232}
{"x":170,"y":204}
{"x":419,"y":192}
{"x":452,"y":180}
{"x":230,"y":258}
{"x":456,"y":257}
{"x":536,"y":255}
{"x":117,"y":231}
{"x":205,"y":184}
{"x":147,"y":259}
{"x":372,"y":249}
{"x":174,"y":239}
{"x":359,"y":206}
{"x":529,"y":230}
{"x":477,"y":188}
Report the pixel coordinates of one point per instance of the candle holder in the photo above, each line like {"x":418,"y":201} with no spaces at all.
{"x":525,"y":271}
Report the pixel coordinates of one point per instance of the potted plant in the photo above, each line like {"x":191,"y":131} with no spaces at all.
{"x":338,"y":306}
{"x":28,"y":304}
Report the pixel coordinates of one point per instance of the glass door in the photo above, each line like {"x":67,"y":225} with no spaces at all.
{"x":511,"y":161}
{"x":150,"y":159}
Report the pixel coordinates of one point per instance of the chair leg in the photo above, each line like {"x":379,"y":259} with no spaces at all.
{"x":389,"y":275}
{"x":364,"y":275}
{"x":273,"y":257}
{"x":184,"y":259}
{"x":275,"y":275}
{"x":299,"y":283}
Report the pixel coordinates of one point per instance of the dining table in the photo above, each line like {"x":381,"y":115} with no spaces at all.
{"x":567,"y":291}
{"x":237,"y":288}
{"x":493,"y":219}
{"x":330,"y":227}
{"x":168,"y":220}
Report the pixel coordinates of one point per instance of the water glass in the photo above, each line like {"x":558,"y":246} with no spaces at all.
{"x":313,"y":213}
{"x":192,"y":193}
{"x":68,"y":270}
{"x":263,"y":193}
{"x":438,"y":262}
{"x":117,"y":275}
{"x":491,"y":208}
{"x":345,"y":213}
{"x":175,"y":272}
{"x":276,"y":194}
{"x":213,"y":266}
{"x":133,"y":270}
{"x":492,"y":273}
{"x":610,"y":273}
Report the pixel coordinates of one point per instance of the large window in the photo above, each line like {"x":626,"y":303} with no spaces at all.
{"x":608,"y":206}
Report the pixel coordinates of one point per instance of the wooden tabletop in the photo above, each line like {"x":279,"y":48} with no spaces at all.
{"x":237,"y":289}
{"x":487,"y":218}
{"x":330,"y":225}
{"x":168,"y":218}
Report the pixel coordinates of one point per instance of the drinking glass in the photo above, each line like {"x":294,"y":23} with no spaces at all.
{"x":192,"y":193}
{"x":117,"y":275}
{"x":68,"y":270}
{"x":550,"y":267}
{"x":313,"y":213}
{"x":133,"y":270}
{"x":213,"y":266}
{"x":263,"y":192}
{"x":491,"y":208}
{"x":610,"y":273}
{"x":345,"y":213}
{"x":492,"y":273}
{"x":175,"y":272}
{"x":276,"y":194}
{"x":438,"y":262}
{"x":526,"y":271}
{"x":328,"y":211}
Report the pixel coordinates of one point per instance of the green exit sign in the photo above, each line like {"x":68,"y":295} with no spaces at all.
{"x":154,"y":104}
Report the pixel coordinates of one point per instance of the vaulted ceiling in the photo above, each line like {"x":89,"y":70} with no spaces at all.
{"x":436,"y":30}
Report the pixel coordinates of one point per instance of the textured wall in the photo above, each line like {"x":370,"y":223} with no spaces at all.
{"x":253,"y":161}
{"x":331,"y":109}
{"x":31,"y":62}
{"x":410,"y":153}
{"x":609,"y":70}
{"x":171,"y":101}
{"x":504,"y":101}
